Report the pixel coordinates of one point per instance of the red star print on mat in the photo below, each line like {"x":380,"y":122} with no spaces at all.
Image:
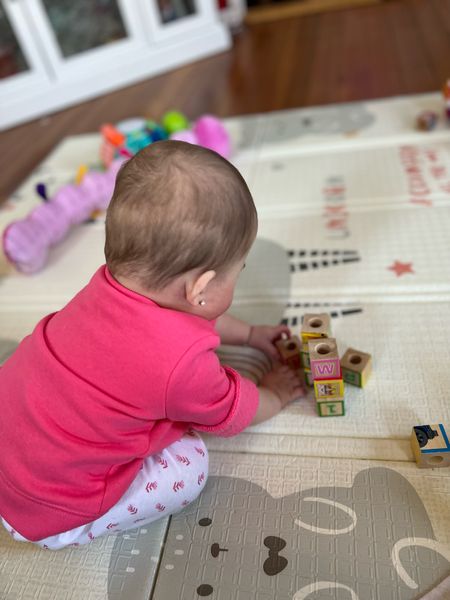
{"x":401,"y":268}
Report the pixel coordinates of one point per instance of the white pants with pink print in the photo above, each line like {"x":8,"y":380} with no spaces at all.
{"x":166,"y":483}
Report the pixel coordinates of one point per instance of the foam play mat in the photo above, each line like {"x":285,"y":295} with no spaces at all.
{"x":354,"y":221}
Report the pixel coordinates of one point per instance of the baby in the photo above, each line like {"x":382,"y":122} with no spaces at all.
{"x":102,"y":403}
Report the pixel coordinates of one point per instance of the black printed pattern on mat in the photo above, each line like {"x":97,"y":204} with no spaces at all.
{"x":306,"y":260}
{"x":312,"y":307}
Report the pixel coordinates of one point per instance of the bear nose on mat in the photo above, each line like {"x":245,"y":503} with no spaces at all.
{"x":215,"y":549}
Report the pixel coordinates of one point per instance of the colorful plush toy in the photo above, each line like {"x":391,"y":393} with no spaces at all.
{"x":27,"y":242}
{"x":126,"y":138}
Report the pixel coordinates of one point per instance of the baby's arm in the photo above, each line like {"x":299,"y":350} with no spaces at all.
{"x":236,"y":332}
{"x":278,"y":388}
{"x":233,"y":331}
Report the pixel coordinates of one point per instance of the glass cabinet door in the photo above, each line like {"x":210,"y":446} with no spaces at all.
{"x":82,"y":25}
{"x":102,"y":31}
{"x":12,"y":59}
{"x":22,"y":65}
{"x":54,"y":53}
{"x":172,"y":10}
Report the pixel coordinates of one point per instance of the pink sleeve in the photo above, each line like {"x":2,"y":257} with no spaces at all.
{"x":210,"y":397}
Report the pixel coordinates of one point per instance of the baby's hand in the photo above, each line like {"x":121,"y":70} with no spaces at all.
{"x":264,"y":337}
{"x":285,"y":383}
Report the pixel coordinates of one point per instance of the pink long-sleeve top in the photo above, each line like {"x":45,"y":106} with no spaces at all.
{"x":110,"y":379}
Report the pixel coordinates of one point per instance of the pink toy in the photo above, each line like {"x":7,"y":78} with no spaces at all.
{"x":26,"y":242}
{"x":208,"y":132}
{"x":187,"y":135}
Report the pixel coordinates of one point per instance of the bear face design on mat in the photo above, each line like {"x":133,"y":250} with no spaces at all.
{"x":370,"y":541}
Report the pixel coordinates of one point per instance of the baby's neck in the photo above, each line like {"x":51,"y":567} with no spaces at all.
{"x":169,"y":297}
{"x":134,"y":286}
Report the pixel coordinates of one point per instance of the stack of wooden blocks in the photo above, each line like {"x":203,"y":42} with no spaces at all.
{"x":316,"y":358}
{"x":322,"y":366}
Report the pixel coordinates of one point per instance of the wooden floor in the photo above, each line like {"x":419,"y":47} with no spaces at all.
{"x":399,"y":47}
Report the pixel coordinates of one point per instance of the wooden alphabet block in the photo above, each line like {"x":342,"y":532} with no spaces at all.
{"x":329,"y":389}
{"x":305,"y":357}
{"x":356,"y":367}
{"x":324,"y":359}
{"x":289,"y":350}
{"x":431,"y":445}
{"x":331,"y":409}
{"x":315,"y":326}
{"x":308,"y":377}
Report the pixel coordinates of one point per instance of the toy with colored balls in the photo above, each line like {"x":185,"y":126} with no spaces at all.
{"x":132,"y":135}
{"x":156,"y":132}
{"x":174,"y":121}
{"x":137,"y":140}
{"x":209,"y":132}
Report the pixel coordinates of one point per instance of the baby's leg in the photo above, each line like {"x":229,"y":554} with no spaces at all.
{"x":167,"y":482}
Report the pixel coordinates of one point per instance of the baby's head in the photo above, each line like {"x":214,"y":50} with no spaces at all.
{"x":181,"y":218}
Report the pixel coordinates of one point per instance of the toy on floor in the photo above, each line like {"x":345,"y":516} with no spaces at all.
{"x":427,"y":120}
{"x":314,"y":326}
{"x":174,"y":121}
{"x":431,"y":445}
{"x":320,"y":365}
{"x":326,"y":374}
{"x":289,"y":350}
{"x":356,"y":367}
{"x":208,"y":132}
{"x":128,"y":137}
{"x":26,"y":243}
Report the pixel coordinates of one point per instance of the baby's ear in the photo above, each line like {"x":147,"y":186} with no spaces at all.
{"x":196,"y":286}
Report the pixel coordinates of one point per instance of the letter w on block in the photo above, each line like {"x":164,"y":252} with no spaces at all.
{"x":326,"y":368}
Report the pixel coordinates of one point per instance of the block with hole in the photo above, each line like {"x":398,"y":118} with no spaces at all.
{"x":356,"y":367}
{"x":431,"y":445}
{"x":289,"y":351}
{"x":315,"y":326}
{"x":324,"y":359}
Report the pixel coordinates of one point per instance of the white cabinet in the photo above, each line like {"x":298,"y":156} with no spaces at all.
{"x":54,"y":53}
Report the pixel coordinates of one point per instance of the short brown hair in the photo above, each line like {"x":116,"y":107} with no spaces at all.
{"x":177,"y":207}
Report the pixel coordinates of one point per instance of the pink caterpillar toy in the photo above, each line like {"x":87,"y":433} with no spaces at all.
{"x":26,"y":243}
